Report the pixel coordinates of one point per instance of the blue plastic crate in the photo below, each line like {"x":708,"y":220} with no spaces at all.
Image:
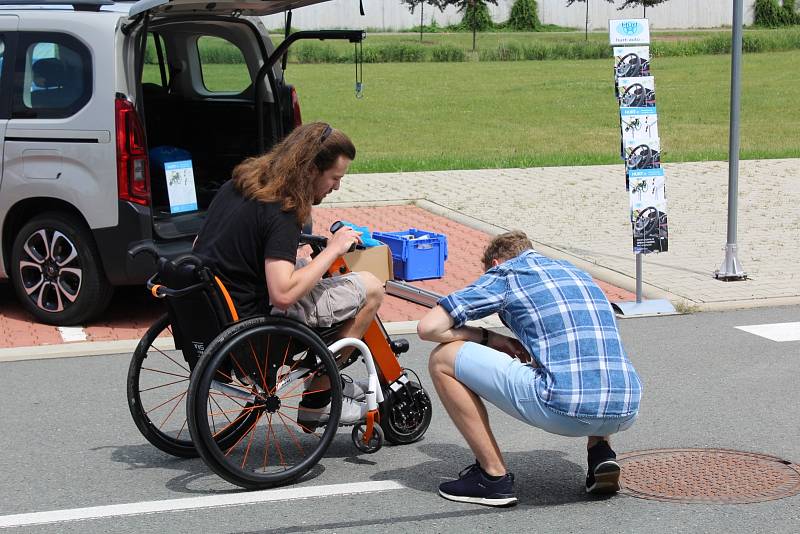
{"x":416,"y":254}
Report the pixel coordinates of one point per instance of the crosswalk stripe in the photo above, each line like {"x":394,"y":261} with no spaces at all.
{"x":193,"y":503}
{"x":775,"y":331}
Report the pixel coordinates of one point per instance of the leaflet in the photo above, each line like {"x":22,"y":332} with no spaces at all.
{"x":631,"y":61}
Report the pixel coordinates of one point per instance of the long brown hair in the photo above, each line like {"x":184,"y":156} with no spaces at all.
{"x":288,"y":172}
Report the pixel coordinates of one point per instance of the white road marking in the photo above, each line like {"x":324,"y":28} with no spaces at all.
{"x":775,"y":331}
{"x":193,"y":503}
{"x":72,"y":333}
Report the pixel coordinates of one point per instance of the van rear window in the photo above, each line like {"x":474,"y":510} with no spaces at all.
{"x":223,"y":65}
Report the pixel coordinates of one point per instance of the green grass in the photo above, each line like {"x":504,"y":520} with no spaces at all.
{"x":504,"y":46}
{"x":425,"y":116}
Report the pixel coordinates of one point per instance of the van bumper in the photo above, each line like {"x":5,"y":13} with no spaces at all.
{"x":135,"y":226}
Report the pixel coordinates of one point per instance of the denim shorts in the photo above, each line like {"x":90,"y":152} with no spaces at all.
{"x":511,"y":386}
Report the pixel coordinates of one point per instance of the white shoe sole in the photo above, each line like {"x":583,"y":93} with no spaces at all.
{"x":506,"y":501}
{"x":606,"y":478}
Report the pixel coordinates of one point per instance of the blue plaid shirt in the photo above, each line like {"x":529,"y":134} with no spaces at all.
{"x":566,"y":323}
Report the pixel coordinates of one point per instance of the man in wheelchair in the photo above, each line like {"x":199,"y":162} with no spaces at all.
{"x":250,"y":239}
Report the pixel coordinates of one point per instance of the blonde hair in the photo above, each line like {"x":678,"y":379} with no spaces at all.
{"x":289,"y":171}
{"x":506,"y":246}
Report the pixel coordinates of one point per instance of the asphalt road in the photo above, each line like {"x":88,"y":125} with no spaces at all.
{"x":68,"y":442}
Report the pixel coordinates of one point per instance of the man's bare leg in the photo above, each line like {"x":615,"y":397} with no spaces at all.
{"x":358,"y":325}
{"x":465,"y":408}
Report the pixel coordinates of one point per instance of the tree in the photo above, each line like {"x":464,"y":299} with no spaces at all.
{"x":412,"y":4}
{"x":570,"y":2}
{"x":476,"y":14}
{"x":524,"y":16}
{"x":644,"y":3}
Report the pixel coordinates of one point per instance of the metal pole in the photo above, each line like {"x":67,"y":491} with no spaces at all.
{"x":731,"y":269}
{"x":638,"y":278}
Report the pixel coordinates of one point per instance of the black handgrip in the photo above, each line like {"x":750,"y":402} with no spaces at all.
{"x":142,"y":247}
{"x":338,"y":225}
{"x":314,"y":240}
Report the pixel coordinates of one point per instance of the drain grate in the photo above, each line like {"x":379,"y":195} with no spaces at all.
{"x":707,"y":476}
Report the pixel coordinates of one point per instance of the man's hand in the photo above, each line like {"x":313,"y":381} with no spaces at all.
{"x":343,"y":239}
{"x":510,"y":346}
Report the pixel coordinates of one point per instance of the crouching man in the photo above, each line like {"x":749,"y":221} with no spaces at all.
{"x":565,"y":373}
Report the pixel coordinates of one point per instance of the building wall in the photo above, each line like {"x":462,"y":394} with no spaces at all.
{"x":389,"y":15}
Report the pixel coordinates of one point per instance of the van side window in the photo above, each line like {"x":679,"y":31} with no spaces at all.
{"x":52,"y":78}
{"x":222,"y":65}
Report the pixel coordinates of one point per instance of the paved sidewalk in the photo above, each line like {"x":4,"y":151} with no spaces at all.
{"x":579,"y":213}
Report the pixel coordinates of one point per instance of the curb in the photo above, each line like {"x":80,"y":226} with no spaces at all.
{"x":127,"y":346}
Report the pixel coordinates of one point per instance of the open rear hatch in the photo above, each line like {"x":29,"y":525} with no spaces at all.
{"x":196,"y":136}
{"x":253,"y":8}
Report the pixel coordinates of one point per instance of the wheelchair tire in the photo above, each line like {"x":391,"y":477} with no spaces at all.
{"x":157,"y":386}
{"x":265,"y":365}
{"x":405,"y":414}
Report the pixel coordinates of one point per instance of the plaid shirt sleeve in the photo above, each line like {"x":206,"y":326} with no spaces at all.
{"x":483,"y":297}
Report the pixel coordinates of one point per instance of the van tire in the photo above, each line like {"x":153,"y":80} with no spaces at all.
{"x":63,"y":286}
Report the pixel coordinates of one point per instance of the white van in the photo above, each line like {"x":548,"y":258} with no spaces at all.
{"x":116,"y":129}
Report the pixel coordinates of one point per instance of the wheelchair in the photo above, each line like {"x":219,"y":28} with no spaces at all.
{"x":229,"y":390}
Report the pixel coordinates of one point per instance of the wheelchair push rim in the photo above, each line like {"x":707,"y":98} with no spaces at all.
{"x":260,"y":369}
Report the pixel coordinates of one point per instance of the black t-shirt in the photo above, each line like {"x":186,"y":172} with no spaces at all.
{"x":236,"y":238}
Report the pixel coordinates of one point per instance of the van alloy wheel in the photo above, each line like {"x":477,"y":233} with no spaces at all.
{"x":51,"y":270}
{"x":57,"y":273}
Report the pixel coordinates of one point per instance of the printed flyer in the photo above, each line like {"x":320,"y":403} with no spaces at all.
{"x":180,"y":186}
{"x":638,"y":124}
{"x":642,"y":154}
{"x":648,"y":203}
{"x":636,"y":92}
{"x":622,"y":32}
{"x":631,"y":61}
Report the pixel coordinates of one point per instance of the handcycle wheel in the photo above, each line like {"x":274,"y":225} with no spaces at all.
{"x":406,"y":413}
{"x":158,"y":380}
{"x":375,"y":442}
{"x":260,"y":369}
{"x":634,"y":96}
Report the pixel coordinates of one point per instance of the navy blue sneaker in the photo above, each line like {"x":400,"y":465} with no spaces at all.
{"x":604,"y":471}
{"x":474,"y":486}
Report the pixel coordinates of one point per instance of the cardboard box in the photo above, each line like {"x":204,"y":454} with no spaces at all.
{"x":377,"y":260}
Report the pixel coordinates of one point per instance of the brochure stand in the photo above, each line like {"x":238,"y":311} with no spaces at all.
{"x":640,"y":148}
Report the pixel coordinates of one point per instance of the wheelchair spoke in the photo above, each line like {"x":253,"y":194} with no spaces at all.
{"x":258,"y":365}
{"x":250,"y":429}
{"x":167,"y":356}
{"x":172,"y":411}
{"x":250,"y":440}
{"x":277,"y":443}
{"x":181,"y":394}
{"x":163,"y":385}
{"x":163,"y":372}
{"x":291,"y":434}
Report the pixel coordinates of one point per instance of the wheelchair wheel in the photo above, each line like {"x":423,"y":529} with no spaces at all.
{"x":405,"y":413}
{"x":158,"y":380}
{"x":157,"y":383}
{"x":260,"y":369}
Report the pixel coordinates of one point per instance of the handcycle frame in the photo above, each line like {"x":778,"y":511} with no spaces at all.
{"x":379,"y":353}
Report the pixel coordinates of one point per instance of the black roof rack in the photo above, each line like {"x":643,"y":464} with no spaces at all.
{"x":78,"y":5}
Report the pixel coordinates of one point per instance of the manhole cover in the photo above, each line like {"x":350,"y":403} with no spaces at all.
{"x":707,"y":476}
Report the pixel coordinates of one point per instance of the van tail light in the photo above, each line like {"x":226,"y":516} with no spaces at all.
{"x":298,"y":120}
{"x":133,"y":172}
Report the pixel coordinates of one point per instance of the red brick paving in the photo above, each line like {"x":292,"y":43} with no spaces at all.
{"x":132,"y":310}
